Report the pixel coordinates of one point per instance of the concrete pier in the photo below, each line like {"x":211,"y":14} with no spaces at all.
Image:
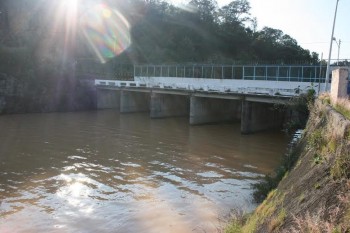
{"x":210,"y":110}
{"x":132,"y":101}
{"x":260,"y":116}
{"x":168,"y":105}
{"x":108,"y":99}
{"x":339,"y":86}
{"x":256,"y":112}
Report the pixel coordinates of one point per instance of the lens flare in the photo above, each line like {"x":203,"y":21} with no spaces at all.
{"x":106,"y":30}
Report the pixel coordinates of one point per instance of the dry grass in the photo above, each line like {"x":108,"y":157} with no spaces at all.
{"x":325,"y":98}
{"x":313,"y":224}
{"x":338,"y":220}
{"x":277,"y":221}
{"x":343,"y":106}
{"x":237,"y":219}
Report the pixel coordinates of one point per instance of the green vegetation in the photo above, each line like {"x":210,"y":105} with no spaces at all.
{"x":278,"y":220}
{"x":263,"y":212}
{"x":343,"y":108}
{"x":316,"y":140}
{"x":301,"y":198}
{"x":301,"y":105}
{"x":341,"y":167}
{"x":163,"y":33}
{"x":325,"y":98}
{"x":234,"y":227}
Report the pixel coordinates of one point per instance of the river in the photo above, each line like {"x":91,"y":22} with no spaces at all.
{"x":102,"y":171}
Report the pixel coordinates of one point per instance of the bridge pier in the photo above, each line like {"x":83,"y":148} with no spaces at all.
{"x":210,"y":110}
{"x":133,"y":101}
{"x":260,"y":116}
{"x":169,"y":105}
{"x":107,"y":99}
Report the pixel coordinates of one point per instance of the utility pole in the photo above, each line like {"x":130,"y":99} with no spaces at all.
{"x":338,"y":43}
{"x":330,"y":48}
{"x":319,"y":76}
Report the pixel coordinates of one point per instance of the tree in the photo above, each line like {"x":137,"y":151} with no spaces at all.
{"x":236,"y":12}
{"x":206,"y":9}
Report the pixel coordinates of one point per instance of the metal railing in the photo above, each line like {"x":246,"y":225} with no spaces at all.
{"x":291,"y":73}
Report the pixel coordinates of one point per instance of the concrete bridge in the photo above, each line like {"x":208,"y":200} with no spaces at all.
{"x":209,"y":94}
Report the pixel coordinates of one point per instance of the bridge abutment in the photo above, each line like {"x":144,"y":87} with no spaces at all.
{"x":132,"y":101}
{"x":212,"y":110}
{"x":260,"y":116}
{"x":108,"y":99}
{"x":168,"y":105}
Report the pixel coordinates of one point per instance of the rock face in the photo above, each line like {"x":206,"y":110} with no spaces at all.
{"x":62,"y":95}
{"x":315,"y":195}
{"x":2,"y":104}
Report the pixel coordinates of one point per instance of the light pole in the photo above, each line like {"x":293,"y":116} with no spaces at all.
{"x":338,"y":43}
{"x":330,"y":48}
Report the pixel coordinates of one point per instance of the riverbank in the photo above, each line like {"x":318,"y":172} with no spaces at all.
{"x":315,"y":195}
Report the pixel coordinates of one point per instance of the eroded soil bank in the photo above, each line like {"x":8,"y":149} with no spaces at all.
{"x":315,"y":195}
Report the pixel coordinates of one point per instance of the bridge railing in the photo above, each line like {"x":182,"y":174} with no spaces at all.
{"x":290,"y":73}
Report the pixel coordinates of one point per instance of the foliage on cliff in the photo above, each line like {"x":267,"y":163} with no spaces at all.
{"x":36,"y":74}
{"x":202,"y":32}
{"x":315,"y":195}
{"x":160,"y":32}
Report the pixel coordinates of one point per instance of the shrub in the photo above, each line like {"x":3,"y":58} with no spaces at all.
{"x":316,"y":140}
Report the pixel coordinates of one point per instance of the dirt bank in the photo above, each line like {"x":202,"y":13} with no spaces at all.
{"x":315,"y":195}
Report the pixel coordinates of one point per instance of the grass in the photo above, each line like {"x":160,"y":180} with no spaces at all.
{"x":301,"y":198}
{"x":316,"y":140}
{"x":343,"y":107}
{"x":325,"y":98}
{"x":341,"y":167}
{"x":277,"y":221}
{"x":332,"y":144}
{"x":263,"y":211}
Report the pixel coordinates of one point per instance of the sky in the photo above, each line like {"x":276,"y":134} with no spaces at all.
{"x":308,"y":21}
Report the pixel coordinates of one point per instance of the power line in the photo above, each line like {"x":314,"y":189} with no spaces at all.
{"x":321,"y":42}
{"x":313,"y":42}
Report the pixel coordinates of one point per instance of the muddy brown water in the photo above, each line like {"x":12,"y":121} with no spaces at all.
{"x":106,"y":172}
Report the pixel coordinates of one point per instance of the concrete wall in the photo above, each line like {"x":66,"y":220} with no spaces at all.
{"x":244,"y":86}
{"x":132,"y":101}
{"x":210,"y":110}
{"x":260,"y":116}
{"x":168,"y":105}
{"x":339,"y":84}
{"x":108,"y":99}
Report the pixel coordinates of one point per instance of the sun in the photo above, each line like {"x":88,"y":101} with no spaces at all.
{"x":70,"y":5}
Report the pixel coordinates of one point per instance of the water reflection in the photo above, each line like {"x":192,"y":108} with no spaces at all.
{"x":103,"y":172}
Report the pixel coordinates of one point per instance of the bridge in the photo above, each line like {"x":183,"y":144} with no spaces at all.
{"x":212,"y":93}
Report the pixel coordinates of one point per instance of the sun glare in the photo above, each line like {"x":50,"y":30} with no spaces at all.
{"x":106,"y":30}
{"x":70,"y":5}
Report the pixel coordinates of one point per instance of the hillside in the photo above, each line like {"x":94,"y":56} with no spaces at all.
{"x":315,"y":195}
